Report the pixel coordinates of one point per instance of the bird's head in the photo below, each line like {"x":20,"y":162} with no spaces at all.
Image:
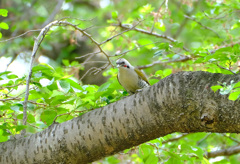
{"x":123,"y":63}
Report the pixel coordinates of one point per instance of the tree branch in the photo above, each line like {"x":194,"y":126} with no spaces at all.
{"x":128,"y":26}
{"x":37,"y":43}
{"x":208,"y":28}
{"x":175,"y":138}
{"x":182,"y":102}
{"x":54,"y":13}
{"x":224,"y":152}
{"x":183,"y":59}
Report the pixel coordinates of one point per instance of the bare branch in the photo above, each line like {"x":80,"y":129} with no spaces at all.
{"x":128,"y":26}
{"x":224,"y":152}
{"x":217,"y":17}
{"x":184,"y":58}
{"x":231,"y":138}
{"x":208,"y":28}
{"x":224,"y":46}
{"x":175,"y":138}
{"x":92,"y":53}
{"x":184,"y":22}
{"x":226,"y":69}
{"x":20,"y":35}
{"x":88,"y":35}
{"x":119,"y":34}
{"x":88,"y":71}
{"x":123,"y":53}
{"x":37,"y":43}
{"x":17,"y":98}
{"x":203,"y":139}
{"x":155,"y":18}
{"x":53,"y":14}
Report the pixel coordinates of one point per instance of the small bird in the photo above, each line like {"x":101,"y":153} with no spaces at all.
{"x":132,"y":79}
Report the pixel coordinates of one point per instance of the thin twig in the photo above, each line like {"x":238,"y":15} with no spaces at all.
{"x":20,"y":35}
{"x":203,"y":139}
{"x":224,"y":46}
{"x":231,"y":138}
{"x":158,"y":11}
{"x":91,"y":19}
{"x":120,"y":33}
{"x":208,"y":28}
{"x":88,"y":35}
{"x":53,"y":14}
{"x":220,"y":17}
{"x":123,"y":53}
{"x":92,"y":53}
{"x":16,"y":98}
{"x":225,"y":69}
{"x":175,"y":138}
{"x":128,"y":26}
{"x":185,"y":58}
{"x":94,"y":62}
{"x":92,"y":68}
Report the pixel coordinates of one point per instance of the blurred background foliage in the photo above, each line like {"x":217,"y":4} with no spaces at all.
{"x":70,"y":78}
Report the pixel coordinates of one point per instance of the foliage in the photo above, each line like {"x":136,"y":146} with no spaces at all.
{"x":3,"y":25}
{"x":176,"y":36}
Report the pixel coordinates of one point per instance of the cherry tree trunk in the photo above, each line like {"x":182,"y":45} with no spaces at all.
{"x":181,"y":102}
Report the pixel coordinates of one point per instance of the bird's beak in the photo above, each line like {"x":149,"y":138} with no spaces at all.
{"x":118,"y":65}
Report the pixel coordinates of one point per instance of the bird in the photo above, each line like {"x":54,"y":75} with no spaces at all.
{"x":132,"y":79}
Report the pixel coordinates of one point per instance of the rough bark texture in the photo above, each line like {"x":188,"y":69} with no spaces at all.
{"x":182,"y":102}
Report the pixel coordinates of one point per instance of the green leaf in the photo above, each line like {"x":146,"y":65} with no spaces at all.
{"x":65,"y":62}
{"x":2,"y":137}
{"x":104,"y":87}
{"x":74,"y":84}
{"x":20,"y":127}
{"x":146,"y":152}
{"x":216,"y":87}
{"x":5,"y":73}
{"x":48,"y":116}
{"x":30,"y":118}
{"x":44,"y":68}
{"x":153,"y":81}
{"x":16,"y":107}
{"x":64,"y":118}
{"x":167,"y":72}
{"x":152,"y":159}
{"x":237,"y":85}
{"x":3,"y":12}
{"x":63,"y":85}
{"x":158,"y":53}
{"x":146,"y":9}
{"x":4,"y":26}
{"x":12,"y":76}
{"x":234,"y":95}
{"x":114,"y":14}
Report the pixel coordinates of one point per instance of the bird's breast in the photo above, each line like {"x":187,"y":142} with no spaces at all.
{"x":128,"y":78}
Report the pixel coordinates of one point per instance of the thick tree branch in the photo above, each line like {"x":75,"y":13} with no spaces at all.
{"x":182,"y":102}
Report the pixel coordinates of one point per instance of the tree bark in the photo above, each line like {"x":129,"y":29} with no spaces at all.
{"x":181,"y":102}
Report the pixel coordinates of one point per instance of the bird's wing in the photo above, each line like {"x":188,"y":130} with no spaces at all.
{"x":142,"y":75}
{"x":119,"y":80}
